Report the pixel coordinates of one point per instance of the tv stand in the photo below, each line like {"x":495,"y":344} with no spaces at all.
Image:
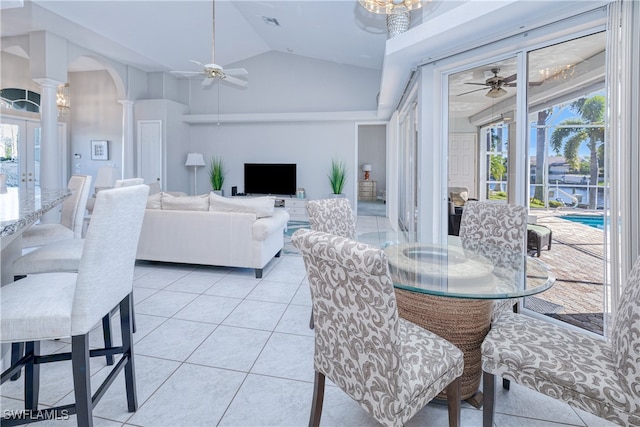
{"x":297,"y":208}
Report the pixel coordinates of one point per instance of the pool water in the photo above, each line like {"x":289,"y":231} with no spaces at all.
{"x":595,"y":221}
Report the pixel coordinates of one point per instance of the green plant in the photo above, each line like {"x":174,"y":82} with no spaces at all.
{"x":338,"y":176}
{"x":216,"y":173}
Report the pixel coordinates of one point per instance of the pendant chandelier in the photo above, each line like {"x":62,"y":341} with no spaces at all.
{"x":391,"y":7}
{"x":62,"y":99}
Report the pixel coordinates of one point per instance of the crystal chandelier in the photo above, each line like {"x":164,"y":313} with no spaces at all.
{"x":62,"y":99}
{"x":391,"y":7}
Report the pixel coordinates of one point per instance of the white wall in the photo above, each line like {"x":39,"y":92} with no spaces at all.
{"x":311,"y":145}
{"x":372,"y":149}
{"x":94,"y":115}
{"x":283,"y":83}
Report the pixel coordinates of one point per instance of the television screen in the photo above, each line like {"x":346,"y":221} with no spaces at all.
{"x":270,"y":178}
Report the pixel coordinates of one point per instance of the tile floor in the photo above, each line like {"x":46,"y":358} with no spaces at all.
{"x":217,"y":347}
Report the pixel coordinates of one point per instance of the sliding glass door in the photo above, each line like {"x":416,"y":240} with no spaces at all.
{"x":564,"y":179}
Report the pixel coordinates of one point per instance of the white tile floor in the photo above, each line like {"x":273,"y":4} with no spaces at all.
{"x":215,"y":346}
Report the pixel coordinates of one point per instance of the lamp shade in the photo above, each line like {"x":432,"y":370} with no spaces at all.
{"x":366,"y":168}
{"x":194,"y":159}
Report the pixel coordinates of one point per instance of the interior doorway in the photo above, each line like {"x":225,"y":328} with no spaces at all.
{"x":372,"y":170}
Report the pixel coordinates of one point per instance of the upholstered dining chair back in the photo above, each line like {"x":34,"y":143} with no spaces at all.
{"x":128,"y":182}
{"x":390,"y":366}
{"x":497,"y":224}
{"x":332,"y":216}
{"x":625,"y":336}
{"x":497,"y":231}
{"x":105,"y":271}
{"x":72,"y":215}
{"x":351,"y":290}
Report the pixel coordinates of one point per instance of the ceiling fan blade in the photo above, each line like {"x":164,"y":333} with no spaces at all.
{"x":198,"y":63}
{"x":187,"y":73}
{"x":509,"y":79}
{"x":235,"y":81}
{"x":236,"y":72}
{"x":466,"y":93}
{"x":207,"y":81}
{"x":477,"y":84}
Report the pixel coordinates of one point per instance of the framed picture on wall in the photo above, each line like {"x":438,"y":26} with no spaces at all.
{"x":99,"y":150}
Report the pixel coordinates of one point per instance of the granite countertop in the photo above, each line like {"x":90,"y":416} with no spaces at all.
{"x":19,"y":208}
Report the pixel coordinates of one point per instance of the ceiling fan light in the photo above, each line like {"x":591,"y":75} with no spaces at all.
{"x":391,"y":7}
{"x":496,"y":92}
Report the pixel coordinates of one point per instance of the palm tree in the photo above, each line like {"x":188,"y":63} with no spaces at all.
{"x":572,"y":133}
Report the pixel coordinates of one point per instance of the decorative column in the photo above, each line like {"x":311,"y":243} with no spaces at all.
{"x":127,"y":139}
{"x":50,"y":171}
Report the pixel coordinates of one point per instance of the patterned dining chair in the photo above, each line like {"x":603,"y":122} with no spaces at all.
{"x":486,"y":225}
{"x":331,"y":216}
{"x":597,"y":376}
{"x":71,"y":217}
{"x":389,"y":365}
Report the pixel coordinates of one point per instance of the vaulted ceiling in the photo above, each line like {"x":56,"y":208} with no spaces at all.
{"x":163,"y":35}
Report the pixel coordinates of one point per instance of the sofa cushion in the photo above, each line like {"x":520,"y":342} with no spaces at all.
{"x":459,"y":196}
{"x":154,"y":201}
{"x":185,"y":203}
{"x":260,"y":206}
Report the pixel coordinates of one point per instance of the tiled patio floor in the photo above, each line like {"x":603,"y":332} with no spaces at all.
{"x":576,"y":259}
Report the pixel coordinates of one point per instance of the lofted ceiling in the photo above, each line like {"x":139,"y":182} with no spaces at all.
{"x":163,"y":35}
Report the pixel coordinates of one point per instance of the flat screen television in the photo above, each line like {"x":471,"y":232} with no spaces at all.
{"x":270,"y":178}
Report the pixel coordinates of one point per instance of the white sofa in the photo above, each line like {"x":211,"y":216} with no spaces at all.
{"x":212,"y":230}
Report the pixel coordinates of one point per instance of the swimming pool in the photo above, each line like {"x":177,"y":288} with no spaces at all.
{"x":595,"y":221}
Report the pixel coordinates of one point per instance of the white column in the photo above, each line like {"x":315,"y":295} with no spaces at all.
{"x":50,"y":170}
{"x":127,"y":139}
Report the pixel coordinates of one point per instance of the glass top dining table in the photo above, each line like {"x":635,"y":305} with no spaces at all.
{"x":451,"y":288}
{"x":460,"y":268}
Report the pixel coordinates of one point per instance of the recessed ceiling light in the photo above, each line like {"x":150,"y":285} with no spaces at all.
{"x":270,"y":21}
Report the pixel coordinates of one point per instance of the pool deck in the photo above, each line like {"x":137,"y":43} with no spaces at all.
{"x":576,"y":259}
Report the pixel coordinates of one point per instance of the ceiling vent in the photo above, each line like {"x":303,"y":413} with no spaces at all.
{"x":270,"y":21}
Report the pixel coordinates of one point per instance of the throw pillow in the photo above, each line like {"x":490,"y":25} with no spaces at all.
{"x":187,"y":203}
{"x":459,"y":198}
{"x":260,"y":206}
{"x":154,"y":201}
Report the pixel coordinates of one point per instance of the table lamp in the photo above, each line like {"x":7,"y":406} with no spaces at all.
{"x":366,"y":168}
{"x":195,"y":160}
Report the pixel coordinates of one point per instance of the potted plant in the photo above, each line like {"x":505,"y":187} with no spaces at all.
{"x":216,"y":175}
{"x":337,"y":177}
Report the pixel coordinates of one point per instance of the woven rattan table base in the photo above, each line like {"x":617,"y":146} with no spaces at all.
{"x":463,"y":322}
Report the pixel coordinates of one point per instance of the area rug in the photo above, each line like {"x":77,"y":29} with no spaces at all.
{"x":292,"y":227}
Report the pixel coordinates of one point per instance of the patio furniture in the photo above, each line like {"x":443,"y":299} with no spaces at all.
{"x":390,"y":366}
{"x":71,"y":217}
{"x":537,"y":237}
{"x":597,"y":376}
{"x":60,"y":305}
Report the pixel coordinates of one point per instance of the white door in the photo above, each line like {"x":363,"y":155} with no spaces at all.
{"x":150,"y":166}
{"x":462,"y":162}
{"x":20,"y":151}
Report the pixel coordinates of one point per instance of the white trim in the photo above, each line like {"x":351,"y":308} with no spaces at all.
{"x":281,"y":117}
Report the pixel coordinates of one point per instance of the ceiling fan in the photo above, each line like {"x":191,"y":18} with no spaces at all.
{"x":214,"y":71}
{"x":495,"y":84}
